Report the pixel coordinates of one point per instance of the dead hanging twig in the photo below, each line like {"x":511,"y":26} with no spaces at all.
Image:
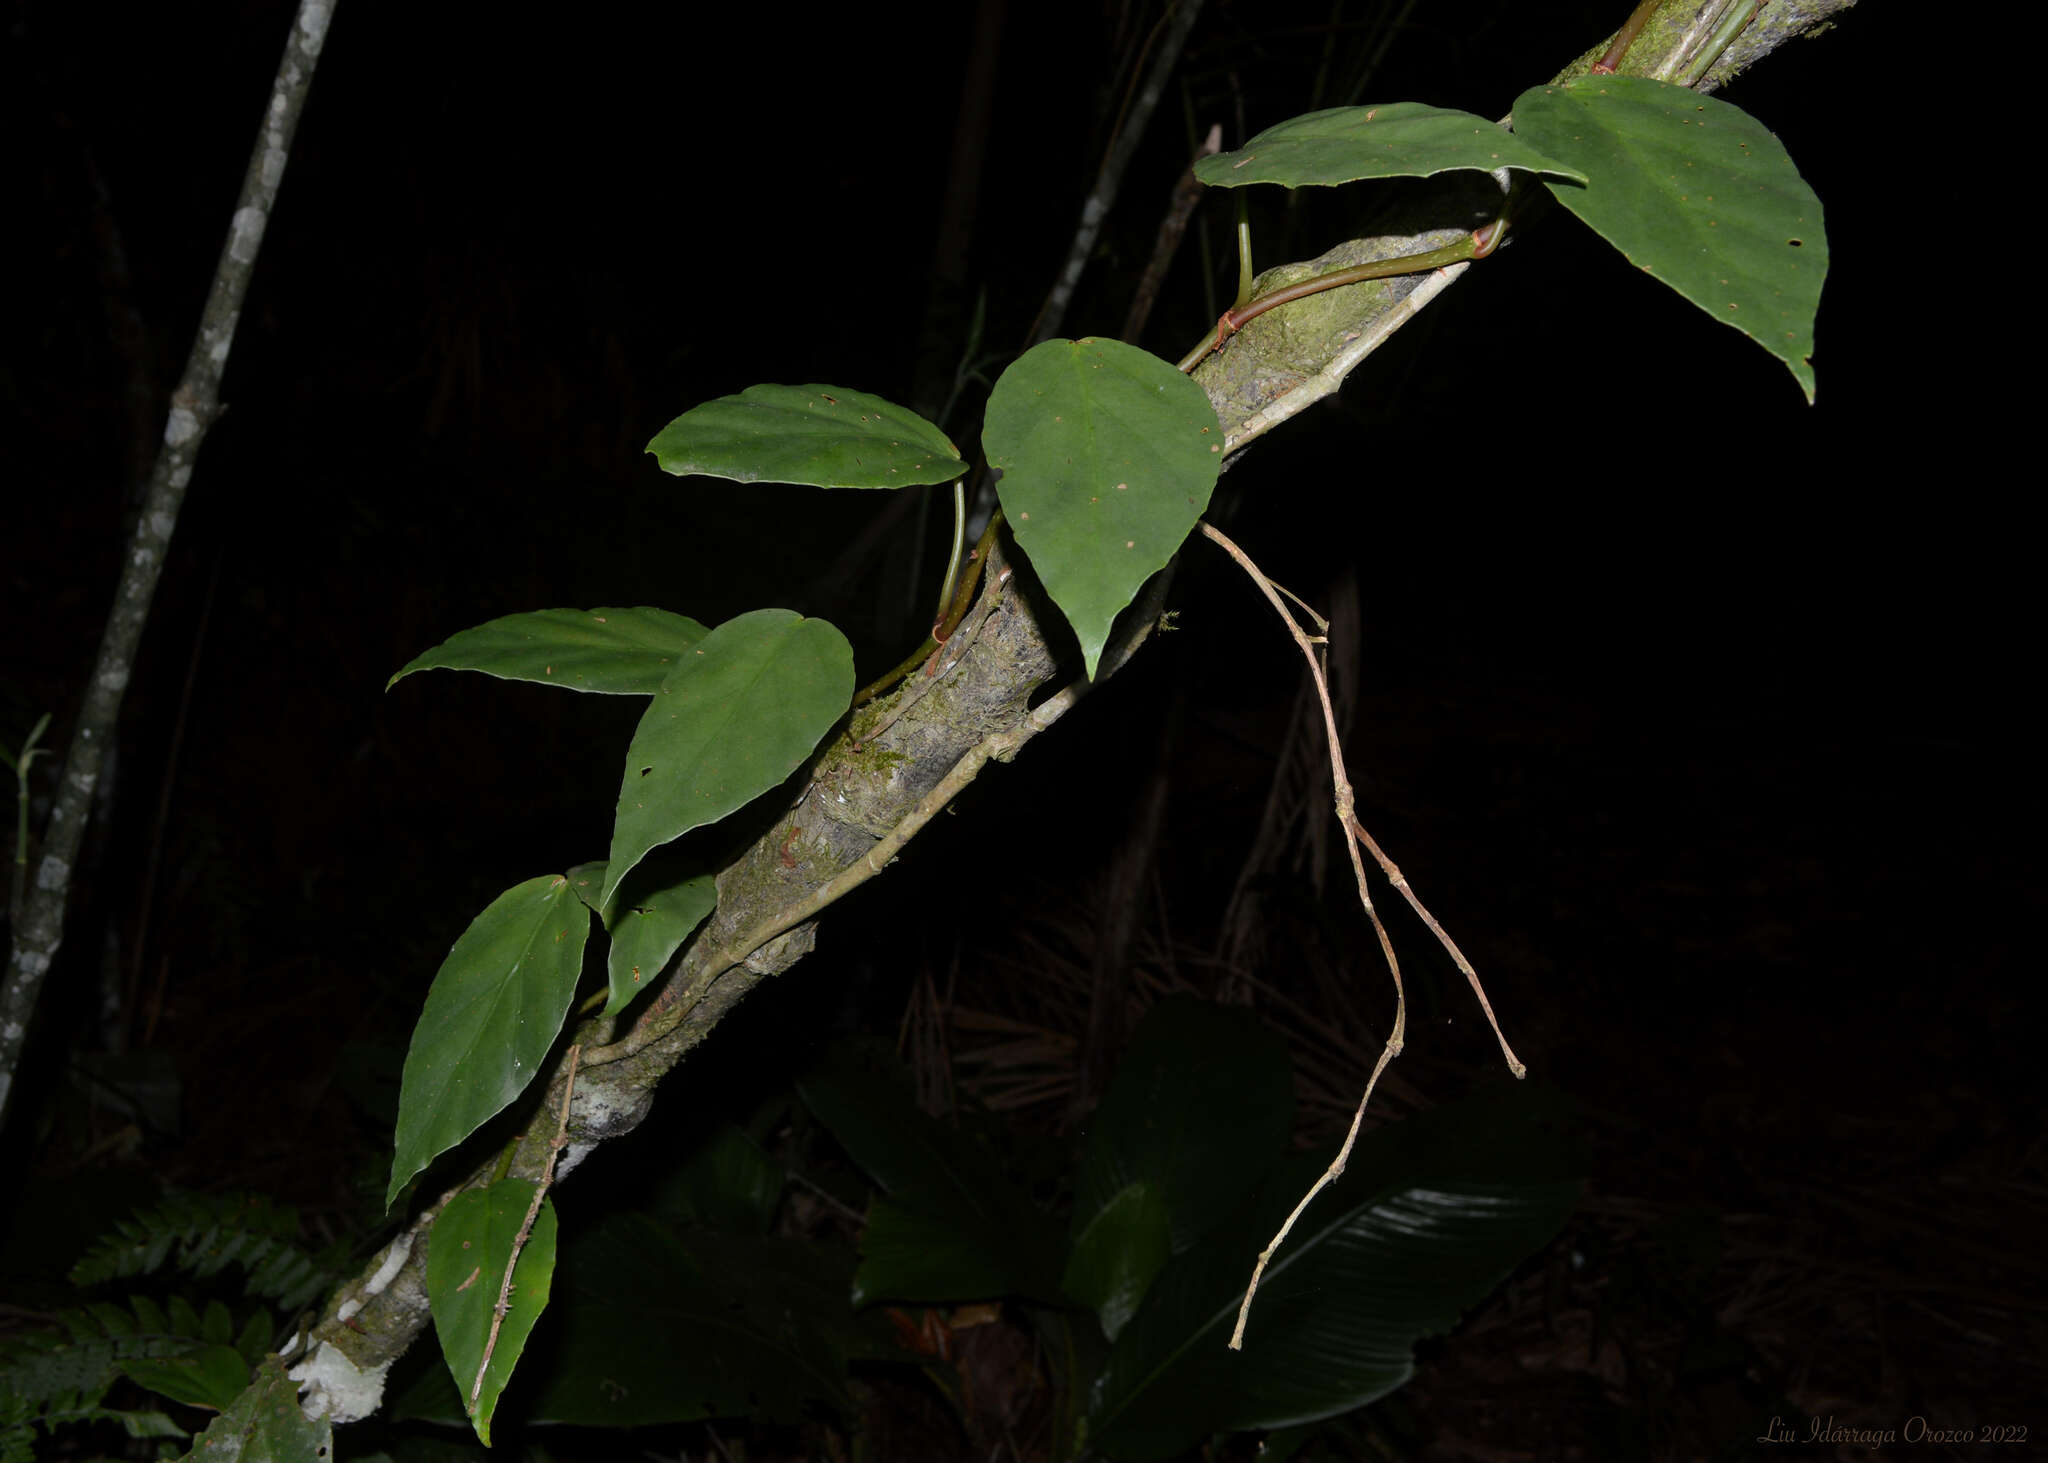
{"x":1347,"y":818}
{"x":1292,"y":838}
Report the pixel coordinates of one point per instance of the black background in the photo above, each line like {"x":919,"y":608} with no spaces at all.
{"x":1697,"y":713}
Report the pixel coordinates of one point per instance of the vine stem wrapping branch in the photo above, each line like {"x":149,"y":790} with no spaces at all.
{"x":1354,"y":833}
{"x":540,"y":1192}
{"x":1476,"y":245}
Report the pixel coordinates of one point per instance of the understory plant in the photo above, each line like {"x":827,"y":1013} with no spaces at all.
{"x":151,"y":1313}
{"x":697,"y":1306}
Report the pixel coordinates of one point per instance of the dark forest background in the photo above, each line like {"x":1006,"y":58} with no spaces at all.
{"x":1696,"y":713}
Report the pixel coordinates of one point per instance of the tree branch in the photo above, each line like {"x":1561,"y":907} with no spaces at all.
{"x":865,"y":798}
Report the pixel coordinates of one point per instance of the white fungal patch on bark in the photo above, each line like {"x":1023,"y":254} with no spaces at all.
{"x":332,"y":1386}
{"x":395,"y":1256}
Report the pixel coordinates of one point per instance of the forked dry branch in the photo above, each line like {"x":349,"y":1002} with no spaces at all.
{"x":1347,"y":818}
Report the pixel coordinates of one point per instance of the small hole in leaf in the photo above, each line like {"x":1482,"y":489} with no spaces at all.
{"x":1796,"y":243}
{"x":645,"y":770}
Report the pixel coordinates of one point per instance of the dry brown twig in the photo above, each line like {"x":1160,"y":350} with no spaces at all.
{"x":540,"y":1192}
{"x":1347,"y":818}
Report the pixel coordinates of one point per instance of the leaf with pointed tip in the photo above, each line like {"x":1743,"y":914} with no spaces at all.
{"x":821,"y":436}
{"x":473,"y":1242}
{"x":620,"y":652}
{"x":745,"y":708}
{"x":495,"y":1007}
{"x":1392,"y":140}
{"x":1108,"y":457}
{"x":652,"y":913}
{"x":1698,"y":194}
{"x":657,"y":908}
{"x":588,"y":881}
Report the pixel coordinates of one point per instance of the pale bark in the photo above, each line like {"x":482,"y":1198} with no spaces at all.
{"x":39,"y":926}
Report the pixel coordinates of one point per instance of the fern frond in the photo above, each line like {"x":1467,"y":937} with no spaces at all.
{"x":73,"y":1369}
{"x":201,"y":1235}
{"x":59,"y":1377}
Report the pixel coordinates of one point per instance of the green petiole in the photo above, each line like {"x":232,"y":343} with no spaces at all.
{"x":1244,"y":255}
{"x":953,"y":558}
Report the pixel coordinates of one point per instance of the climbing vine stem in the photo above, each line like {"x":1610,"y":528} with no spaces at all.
{"x":953,"y":558}
{"x":1471,"y":246}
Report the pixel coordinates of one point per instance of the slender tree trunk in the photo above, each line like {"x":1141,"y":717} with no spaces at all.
{"x":39,"y":925}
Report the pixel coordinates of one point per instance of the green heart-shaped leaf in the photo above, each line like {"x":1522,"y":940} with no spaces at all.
{"x":748,"y":704}
{"x":1108,"y":457}
{"x":1697,"y":193}
{"x":619,"y":651}
{"x":495,"y":1007}
{"x":822,"y":436}
{"x":472,"y":1244}
{"x":1393,"y":140}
